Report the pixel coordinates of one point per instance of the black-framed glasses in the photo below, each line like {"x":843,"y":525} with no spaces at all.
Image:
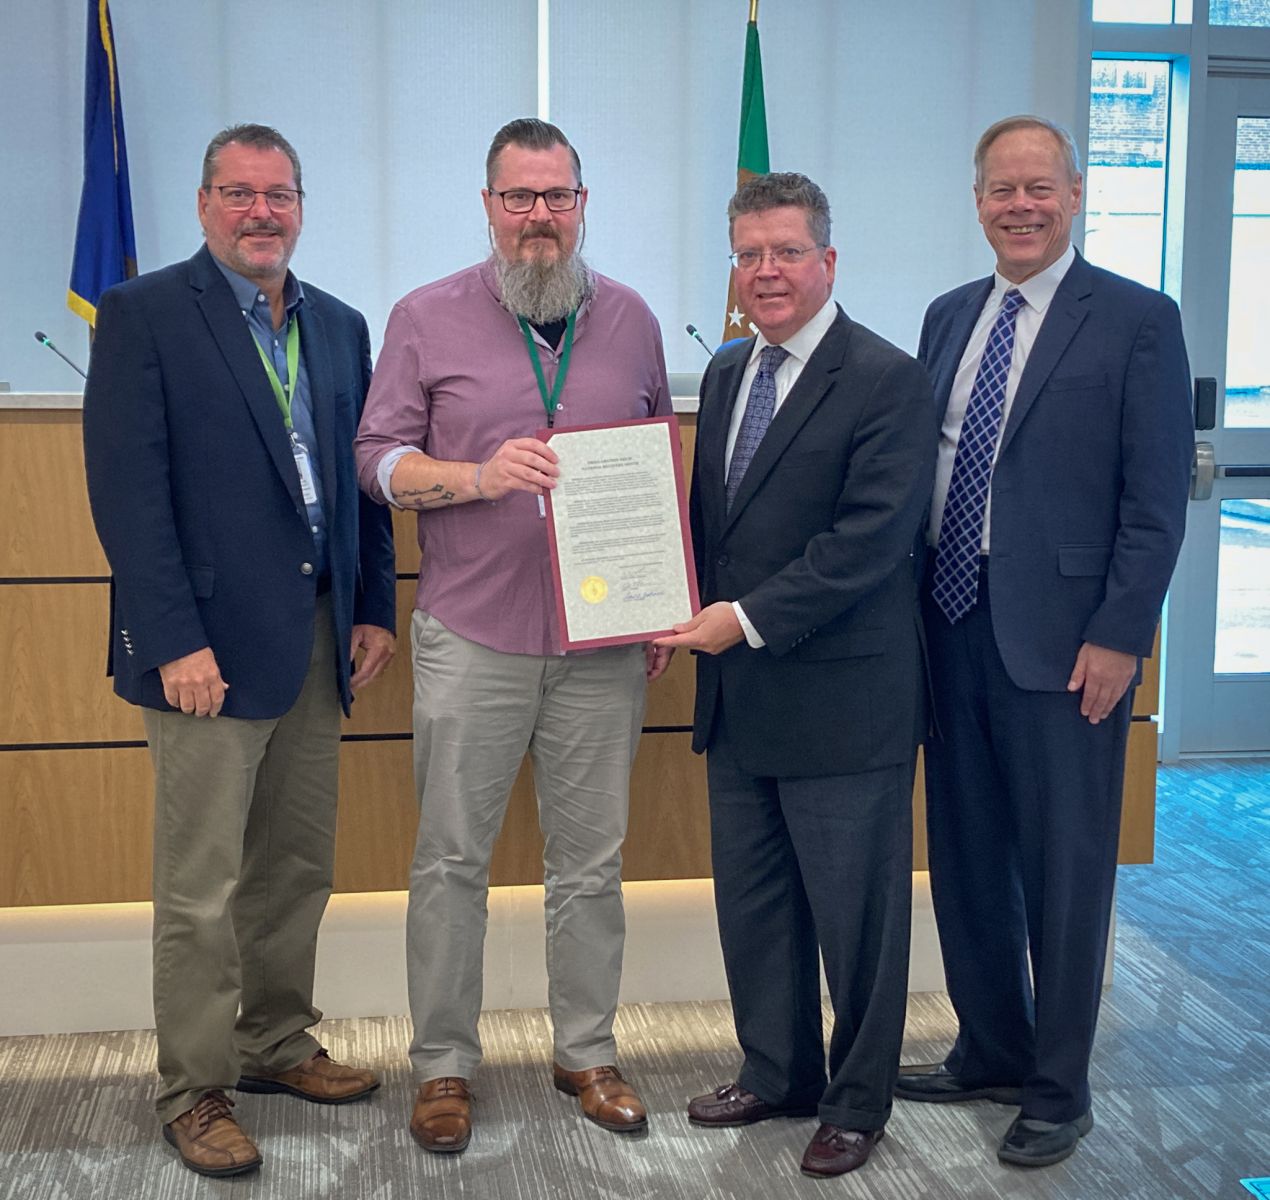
{"x":522,"y":200}
{"x":238,"y":198}
{"x":782,"y":256}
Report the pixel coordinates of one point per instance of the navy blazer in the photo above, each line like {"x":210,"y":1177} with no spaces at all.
{"x":1090,"y":486}
{"x":818,"y":549}
{"x":196,"y":497}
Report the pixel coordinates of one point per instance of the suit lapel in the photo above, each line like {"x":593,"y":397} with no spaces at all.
{"x":817,"y":377}
{"x":713,"y":450}
{"x":317,"y":362}
{"x":963,"y":325}
{"x":1067,"y":312}
{"x":234,"y":339}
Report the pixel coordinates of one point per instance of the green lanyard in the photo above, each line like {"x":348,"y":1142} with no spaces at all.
{"x":550,"y":400}
{"x":280,"y":394}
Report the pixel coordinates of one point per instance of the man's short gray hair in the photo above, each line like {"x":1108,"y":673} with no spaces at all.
{"x":1066,"y":143}
{"x":258,"y":137}
{"x":529,"y":133}
{"x":783,"y":189}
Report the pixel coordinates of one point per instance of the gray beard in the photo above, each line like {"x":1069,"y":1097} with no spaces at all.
{"x":540,"y":291}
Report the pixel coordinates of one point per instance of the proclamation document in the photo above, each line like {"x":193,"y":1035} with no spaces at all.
{"x":621,"y":552}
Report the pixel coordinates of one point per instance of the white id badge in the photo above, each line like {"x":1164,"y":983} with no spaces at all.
{"x":305,"y":468}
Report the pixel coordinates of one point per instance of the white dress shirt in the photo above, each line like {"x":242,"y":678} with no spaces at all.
{"x":1038,"y":292}
{"x":800,"y":346}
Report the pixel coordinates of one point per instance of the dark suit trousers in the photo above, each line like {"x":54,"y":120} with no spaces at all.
{"x":804,"y":867}
{"x":1023,"y":813}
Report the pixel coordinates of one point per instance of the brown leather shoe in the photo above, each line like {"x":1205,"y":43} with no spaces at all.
{"x":834,"y":1151}
{"x":606,"y":1098}
{"x":732,"y":1105}
{"x":318,"y":1078}
{"x":209,"y":1140}
{"x":442,"y":1117}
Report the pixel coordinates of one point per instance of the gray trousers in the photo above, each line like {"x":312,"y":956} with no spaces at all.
{"x":476,"y":713}
{"x":244,"y":849}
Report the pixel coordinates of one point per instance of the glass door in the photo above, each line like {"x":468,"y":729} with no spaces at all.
{"x":1218,"y":637}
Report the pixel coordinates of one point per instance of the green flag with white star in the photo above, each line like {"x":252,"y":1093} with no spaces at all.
{"x":751,"y":156}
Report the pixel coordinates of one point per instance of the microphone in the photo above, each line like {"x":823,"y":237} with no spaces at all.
{"x":692,"y":333}
{"x":42,"y":338}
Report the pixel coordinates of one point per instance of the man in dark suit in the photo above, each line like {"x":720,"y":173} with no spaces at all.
{"x":219,"y":416}
{"x":1059,"y":507}
{"x":814,"y":459}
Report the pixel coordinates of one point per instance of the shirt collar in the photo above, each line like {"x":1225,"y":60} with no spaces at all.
{"x":248,"y":294}
{"x":801,"y":344}
{"x":1039,"y":290}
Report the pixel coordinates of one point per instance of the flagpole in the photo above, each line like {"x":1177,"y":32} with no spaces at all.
{"x":753,"y":11}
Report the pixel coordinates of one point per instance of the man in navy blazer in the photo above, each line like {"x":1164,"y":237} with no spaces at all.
{"x":1058,"y":510}
{"x":248,"y":570}
{"x":814,"y":458}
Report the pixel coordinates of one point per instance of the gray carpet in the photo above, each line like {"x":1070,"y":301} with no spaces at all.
{"x":1181,"y":1078}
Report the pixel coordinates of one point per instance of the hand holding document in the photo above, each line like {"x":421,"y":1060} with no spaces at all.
{"x":620,"y":548}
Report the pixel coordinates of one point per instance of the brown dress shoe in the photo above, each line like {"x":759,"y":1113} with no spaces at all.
{"x":732,"y":1105}
{"x":834,"y":1151}
{"x":442,"y":1118}
{"x":318,"y":1078}
{"x":606,"y":1098}
{"x":209,"y":1140}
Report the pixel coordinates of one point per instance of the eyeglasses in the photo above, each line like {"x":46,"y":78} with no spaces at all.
{"x":239,"y":199}
{"x":522,"y":200}
{"x":782,"y":256}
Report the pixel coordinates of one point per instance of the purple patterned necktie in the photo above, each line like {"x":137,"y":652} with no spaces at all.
{"x":955,"y":586}
{"x":757,"y":417}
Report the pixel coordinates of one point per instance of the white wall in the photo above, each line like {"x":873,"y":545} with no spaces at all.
{"x":391,"y":106}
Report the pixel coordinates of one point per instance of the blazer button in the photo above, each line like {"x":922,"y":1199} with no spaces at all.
{"x":306,"y":568}
{"x":722,"y":560}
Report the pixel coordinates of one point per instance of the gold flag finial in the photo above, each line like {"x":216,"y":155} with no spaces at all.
{"x":753,"y":11}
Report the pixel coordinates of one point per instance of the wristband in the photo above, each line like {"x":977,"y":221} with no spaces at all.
{"x":476,"y":483}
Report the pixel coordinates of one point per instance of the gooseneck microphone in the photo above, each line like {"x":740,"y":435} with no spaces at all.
{"x":692,"y":333}
{"x":43,"y":339}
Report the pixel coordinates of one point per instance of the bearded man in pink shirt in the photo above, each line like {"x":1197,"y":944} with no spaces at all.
{"x":471,"y":366}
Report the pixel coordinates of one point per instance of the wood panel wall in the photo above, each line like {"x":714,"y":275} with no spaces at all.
{"x":75,"y":784}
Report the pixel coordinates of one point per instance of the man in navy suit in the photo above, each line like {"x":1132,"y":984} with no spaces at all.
{"x":814,"y":458}
{"x":1058,"y":510}
{"x":219,"y":416}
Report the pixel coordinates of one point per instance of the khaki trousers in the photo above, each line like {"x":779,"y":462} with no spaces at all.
{"x":244,"y":848}
{"x":476,"y":713}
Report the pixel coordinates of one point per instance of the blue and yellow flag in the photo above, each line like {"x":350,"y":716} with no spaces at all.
{"x":105,"y":246}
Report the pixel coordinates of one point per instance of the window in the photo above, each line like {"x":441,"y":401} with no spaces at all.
{"x":1237,"y":12}
{"x":1243,"y":588}
{"x":1124,"y":182}
{"x":1247,"y":351}
{"x":1140,"y":12}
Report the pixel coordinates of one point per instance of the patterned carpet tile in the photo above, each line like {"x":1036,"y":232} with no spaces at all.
{"x":1181,"y":1079}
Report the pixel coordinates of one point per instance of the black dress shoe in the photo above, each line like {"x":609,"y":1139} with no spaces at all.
{"x":1029,"y":1143}
{"x":941,"y":1086}
{"x":733,"y":1105}
{"x":834,"y":1151}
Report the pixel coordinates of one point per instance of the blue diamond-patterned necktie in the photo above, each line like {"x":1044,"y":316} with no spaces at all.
{"x":955,"y":586}
{"x":757,"y":417}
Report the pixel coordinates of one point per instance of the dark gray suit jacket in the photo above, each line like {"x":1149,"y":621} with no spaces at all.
{"x":819,"y":549}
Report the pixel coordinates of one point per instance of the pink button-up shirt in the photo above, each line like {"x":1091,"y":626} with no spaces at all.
{"x":455,"y":381}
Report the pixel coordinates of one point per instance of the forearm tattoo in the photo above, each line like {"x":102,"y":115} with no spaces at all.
{"x":420,"y":498}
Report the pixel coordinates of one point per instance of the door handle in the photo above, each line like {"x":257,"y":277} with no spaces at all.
{"x":1203,"y":471}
